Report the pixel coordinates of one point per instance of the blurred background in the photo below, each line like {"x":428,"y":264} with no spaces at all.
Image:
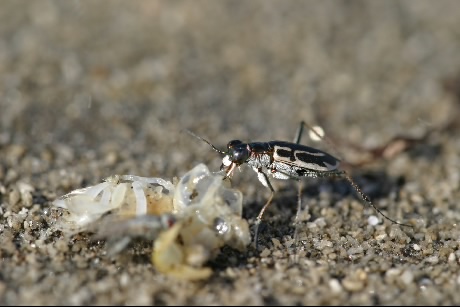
{"x":89,"y":89}
{"x":128,"y":76}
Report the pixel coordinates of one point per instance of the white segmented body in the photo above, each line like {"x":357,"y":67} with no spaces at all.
{"x":149,"y":180}
{"x":127,"y":193}
{"x":141,"y":201}
{"x":118,"y":194}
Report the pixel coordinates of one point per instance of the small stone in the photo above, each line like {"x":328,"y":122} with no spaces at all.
{"x":373,"y":220}
{"x":352,"y":284}
{"x":432,"y":259}
{"x":14,"y":196}
{"x":407,"y":277}
{"x":335,"y":286}
{"x":265,"y":253}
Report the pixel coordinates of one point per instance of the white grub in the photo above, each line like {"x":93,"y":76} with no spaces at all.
{"x":127,"y":195}
{"x":189,"y":221}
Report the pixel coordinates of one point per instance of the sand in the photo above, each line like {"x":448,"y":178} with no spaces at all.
{"x":90,"y":89}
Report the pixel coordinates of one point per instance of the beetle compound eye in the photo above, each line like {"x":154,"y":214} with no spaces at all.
{"x":240,"y":155}
{"x":233,"y":143}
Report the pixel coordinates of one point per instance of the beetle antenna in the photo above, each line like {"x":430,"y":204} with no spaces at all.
{"x":206,"y":141}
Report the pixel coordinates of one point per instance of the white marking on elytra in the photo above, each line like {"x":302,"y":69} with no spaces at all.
{"x":316,"y":154}
{"x":331,"y":167}
{"x":302,"y":164}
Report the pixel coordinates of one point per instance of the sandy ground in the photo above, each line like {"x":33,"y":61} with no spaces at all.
{"x":94,"y":88}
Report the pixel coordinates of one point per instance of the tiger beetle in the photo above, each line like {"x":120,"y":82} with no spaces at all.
{"x":284,"y":160}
